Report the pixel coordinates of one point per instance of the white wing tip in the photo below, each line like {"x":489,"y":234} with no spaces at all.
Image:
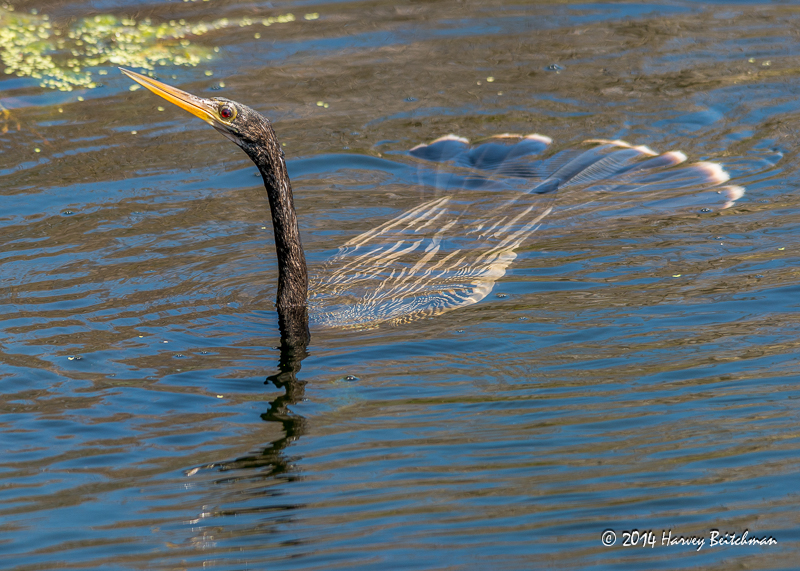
{"x":716,"y":174}
{"x":644,"y":149}
{"x":541,"y":138}
{"x":450,"y":137}
{"x":625,"y":145}
{"x":677,"y":156}
{"x":735,"y":192}
{"x":453,"y":137}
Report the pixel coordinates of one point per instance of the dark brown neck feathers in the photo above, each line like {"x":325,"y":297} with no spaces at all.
{"x":292,"y":273}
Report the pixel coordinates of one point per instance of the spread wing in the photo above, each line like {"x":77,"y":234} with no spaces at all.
{"x":489,"y":199}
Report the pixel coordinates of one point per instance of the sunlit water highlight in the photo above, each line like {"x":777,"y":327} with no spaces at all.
{"x":630,"y":371}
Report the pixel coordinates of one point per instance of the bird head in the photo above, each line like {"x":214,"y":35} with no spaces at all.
{"x":239,"y":123}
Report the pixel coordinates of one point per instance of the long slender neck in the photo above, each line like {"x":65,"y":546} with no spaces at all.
{"x":292,"y":272}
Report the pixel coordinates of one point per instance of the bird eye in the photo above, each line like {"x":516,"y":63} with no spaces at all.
{"x":227,"y":112}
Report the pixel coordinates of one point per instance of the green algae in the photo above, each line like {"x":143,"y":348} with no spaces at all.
{"x":66,"y":58}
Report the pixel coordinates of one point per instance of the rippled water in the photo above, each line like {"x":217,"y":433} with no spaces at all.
{"x":628,"y":372}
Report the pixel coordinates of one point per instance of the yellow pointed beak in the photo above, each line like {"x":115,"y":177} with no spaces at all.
{"x":206,"y":109}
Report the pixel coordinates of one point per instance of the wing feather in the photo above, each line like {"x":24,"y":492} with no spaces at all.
{"x":448,"y":252}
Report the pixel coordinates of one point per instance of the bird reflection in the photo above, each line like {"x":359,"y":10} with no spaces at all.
{"x":293,"y":349}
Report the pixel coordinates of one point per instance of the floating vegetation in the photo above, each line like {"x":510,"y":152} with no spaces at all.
{"x":63,"y":58}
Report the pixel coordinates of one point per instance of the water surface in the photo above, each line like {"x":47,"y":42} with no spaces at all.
{"x":633,"y":372}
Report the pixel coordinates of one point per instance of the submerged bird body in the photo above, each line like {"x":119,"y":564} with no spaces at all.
{"x":450,"y":250}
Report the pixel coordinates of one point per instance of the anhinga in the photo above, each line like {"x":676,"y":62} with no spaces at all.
{"x":448,"y":251}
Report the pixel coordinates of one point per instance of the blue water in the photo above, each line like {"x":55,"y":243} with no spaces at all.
{"x":629,"y":372}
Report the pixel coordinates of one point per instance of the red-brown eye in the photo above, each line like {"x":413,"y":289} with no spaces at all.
{"x":226,"y":112}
